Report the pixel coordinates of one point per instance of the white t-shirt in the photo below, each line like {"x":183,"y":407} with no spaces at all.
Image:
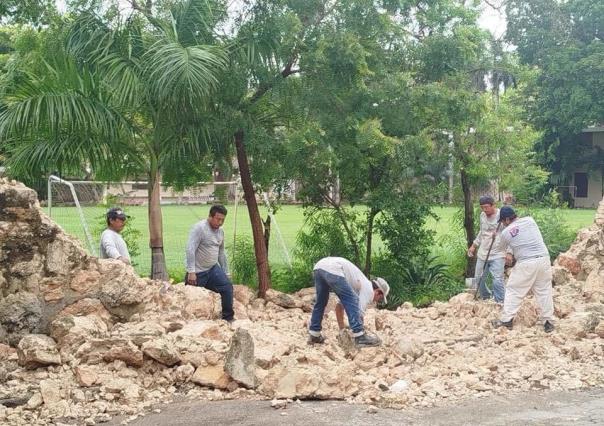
{"x":353,"y":276}
{"x":113,"y":245}
{"x":488,"y":226}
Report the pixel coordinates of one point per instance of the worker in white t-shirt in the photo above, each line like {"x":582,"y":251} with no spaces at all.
{"x":532,"y":271}
{"x":113,"y":245}
{"x":355,"y":292}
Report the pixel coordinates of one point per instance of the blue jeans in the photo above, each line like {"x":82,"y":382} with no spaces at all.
{"x":326,"y":282}
{"x":494,"y":270}
{"x":214,"y":279}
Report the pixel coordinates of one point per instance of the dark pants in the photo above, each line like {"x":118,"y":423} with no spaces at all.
{"x":214,"y":279}
{"x":326,"y":282}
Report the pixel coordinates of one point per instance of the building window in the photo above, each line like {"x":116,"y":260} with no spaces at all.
{"x":581,"y":184}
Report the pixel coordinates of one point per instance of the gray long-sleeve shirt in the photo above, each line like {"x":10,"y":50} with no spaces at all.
{"x":524,"y":239}
{"x":205,"y":248}
{"x":113,"y":245}
{"x":488,"y":225}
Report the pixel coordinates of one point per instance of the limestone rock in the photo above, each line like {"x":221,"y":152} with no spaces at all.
{"x":122,"y":292}
{"x":51,"y":391}
{"x":21,"y":314}
{"x":409,"y":346}
{"x":140,"y":332}
{"x":86,"y":375}
{"x":68,"y":330}
{"x":35,"y":401}
{"x":125,"y":351}
{"x":36,"y":350}
{"x":282,"y":299}
{"x":243,"y":294}
{"x":212,"y":376}
{"x":572,"y":264}
{"x":240,"y":359}
{"x":200,"y":303}
{"x":95,"y":351}
{"x":593,"y":289}
{"x":184,"y":373}
{"x":88,"y":306}
{"x":162,"y":351}
{"x":528,"y":314}
{"x":86,"y":282}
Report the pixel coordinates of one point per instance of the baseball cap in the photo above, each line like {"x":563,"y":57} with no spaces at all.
{"x":116,"y":213}
{"x":506,"y":212}
{"x":383,"y":286}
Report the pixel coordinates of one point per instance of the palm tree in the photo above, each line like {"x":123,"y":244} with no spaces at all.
{"x":127,"y":96}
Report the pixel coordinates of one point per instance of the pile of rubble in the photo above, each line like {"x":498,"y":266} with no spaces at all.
{"x":85,"y":339}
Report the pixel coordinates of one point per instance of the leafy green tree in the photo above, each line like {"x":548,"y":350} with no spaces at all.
{"x":125,"y":96}
{"x":563,"y":41}
{"x":27,"y":11}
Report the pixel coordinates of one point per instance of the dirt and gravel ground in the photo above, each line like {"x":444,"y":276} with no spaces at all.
{"x":535,"y":408}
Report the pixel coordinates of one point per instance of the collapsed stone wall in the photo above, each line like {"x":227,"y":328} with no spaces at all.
{"x":94,"y":340}
{"x":45,"y":273}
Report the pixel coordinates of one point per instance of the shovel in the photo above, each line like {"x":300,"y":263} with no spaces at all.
{"x":485,"y":270}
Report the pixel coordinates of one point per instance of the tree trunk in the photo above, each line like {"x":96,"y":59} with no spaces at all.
{"x":468,"y":220}
{"x":341,"y":214}
{"x":370,"y":220}
{"x":264,"y":282}
{"x":156,"y":241}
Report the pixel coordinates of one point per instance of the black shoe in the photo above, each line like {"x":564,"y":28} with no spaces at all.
{"x":499,"y":323}
{"x":314,"y":340}
{"x":548,"y":327}
{"x":365,"y":341}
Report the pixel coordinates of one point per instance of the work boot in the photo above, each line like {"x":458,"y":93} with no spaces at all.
{"x":548,"y":327}
{"x":365,"y":341}
{"x":499,"y":323}
{"x":315,"y":340}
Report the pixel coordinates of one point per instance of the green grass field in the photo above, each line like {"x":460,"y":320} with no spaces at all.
{"x":177,"y":220}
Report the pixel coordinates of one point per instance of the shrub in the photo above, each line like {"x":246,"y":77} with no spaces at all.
{"x":290,"y":280}
{"x":421,"y":281}
{"x":402,"y":229}
{"x":324,"y":235}
{"x":243,"y":263}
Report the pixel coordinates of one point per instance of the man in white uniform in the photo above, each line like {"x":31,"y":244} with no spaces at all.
{"x":523,"y":240}
{"x":113,"y":245}
{"x":355,"y":292}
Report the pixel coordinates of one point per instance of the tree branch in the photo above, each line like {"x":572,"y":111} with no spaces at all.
{"x":147,"y":13}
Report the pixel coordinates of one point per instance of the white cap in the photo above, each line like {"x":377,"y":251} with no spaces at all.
{"x":383,"y":286}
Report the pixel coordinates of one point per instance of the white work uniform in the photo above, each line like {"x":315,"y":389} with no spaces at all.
{"x":532,"y":270}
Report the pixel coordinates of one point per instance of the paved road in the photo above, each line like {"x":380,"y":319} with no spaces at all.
{"x":536,"y":408}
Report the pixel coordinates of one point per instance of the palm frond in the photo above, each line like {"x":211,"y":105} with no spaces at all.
{"x":195,"y":20}
{"x":62,"y":100}
{"x":178,"y":75}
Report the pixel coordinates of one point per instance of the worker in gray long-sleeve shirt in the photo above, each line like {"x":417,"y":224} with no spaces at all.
{"x":495,"y":264}
{"x":206,"y":262}
{"x":523,"y":240}
{"x":113,"y":245}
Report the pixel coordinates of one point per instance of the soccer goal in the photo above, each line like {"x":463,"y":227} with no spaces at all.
{"x":65,"y":201}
